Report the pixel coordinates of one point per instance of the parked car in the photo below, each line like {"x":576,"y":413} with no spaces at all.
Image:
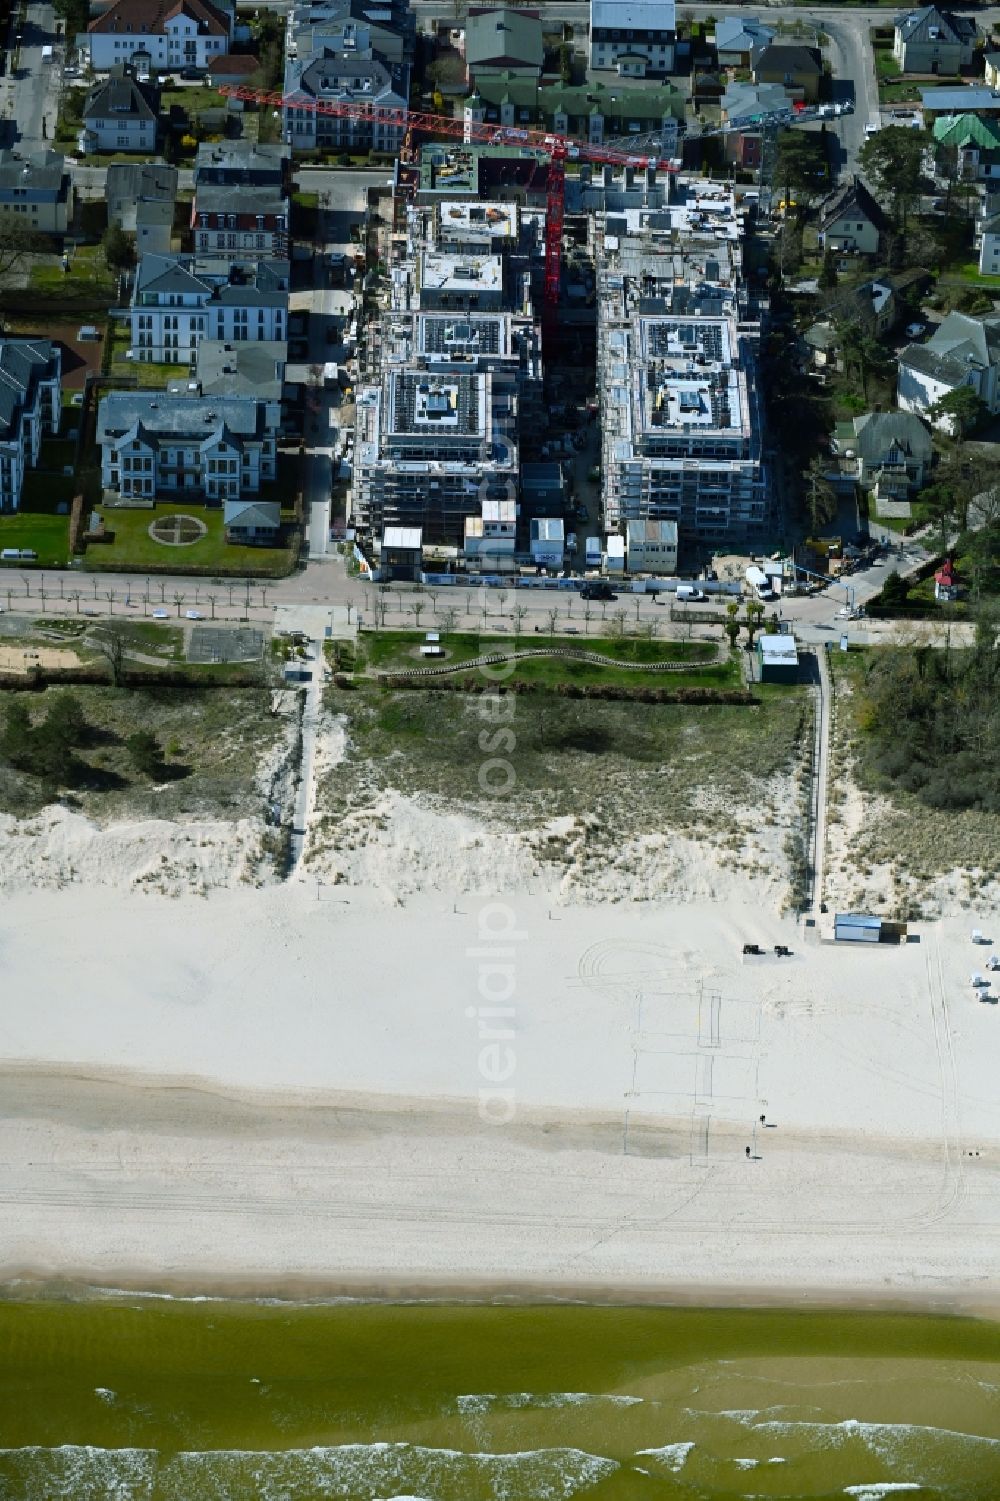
{"x":190,"y":75}
{"x":599,"y":591}
{"x":193,"y":615}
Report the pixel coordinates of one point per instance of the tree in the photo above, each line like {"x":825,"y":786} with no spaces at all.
{"x":862,"y":352}
{"x":179,"y":600}
{"x":418,"y":609}
{"x":16,"y":243}
{"x":111,"y":643}
{"x":820,"y":496}
{"x":66,"y":717}
{"x":895,"y":590}
{"x":800,"y":168}
{"x":518,"y":613}
{"x":892,"y":160}
{"x":119,"y":252}
{"x":145,"y":753}
{"x":754,"y":612}
{"x":828,"y":272}
{"x":732,"y":624}
{"x":961,"y":411}
{"x":447,"y":620}
{"x":15,"y":741}
{"x":553,"y":616}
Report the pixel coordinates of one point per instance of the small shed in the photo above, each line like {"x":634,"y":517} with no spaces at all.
{"x":778,"y":656}
{"x":854,"y":927}
{"x":401,"y":553}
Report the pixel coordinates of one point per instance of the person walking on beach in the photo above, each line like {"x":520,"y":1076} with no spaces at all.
{"x":748,"y":1151}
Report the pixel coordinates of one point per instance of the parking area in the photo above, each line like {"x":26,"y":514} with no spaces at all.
{"x":219,"y":643}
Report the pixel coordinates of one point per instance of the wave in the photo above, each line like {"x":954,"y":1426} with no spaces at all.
{"x":480,"y":1402}
{"x":674,"y":1456}
{"x":382,"y":1470}
{"x":880,"y":1488}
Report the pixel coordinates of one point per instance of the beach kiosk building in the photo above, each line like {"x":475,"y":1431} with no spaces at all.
{"x":854,"y":927}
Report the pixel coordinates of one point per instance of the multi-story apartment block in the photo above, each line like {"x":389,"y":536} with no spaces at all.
{"x":243,"y":163}
{"x":36,"y":191}
{"x":175,"y":33}
{"x":682,"y":428}
{"x":30,"y":403}
{"x":383,"y":28}
{"x":162,"y":443}
{"x":248,"y":222}
{"x":378,"y":88}
{"x":240,"y":206}
{"x":432,"y":448}
{"x":179,"y":300}
{"x":636,"y":37}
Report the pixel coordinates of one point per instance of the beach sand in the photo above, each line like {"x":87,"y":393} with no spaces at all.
{"x":300,"y":1088}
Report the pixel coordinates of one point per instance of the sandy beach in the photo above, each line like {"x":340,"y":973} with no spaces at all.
{"x":312,"y":1088}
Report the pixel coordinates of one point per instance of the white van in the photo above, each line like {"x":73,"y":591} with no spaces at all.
{"x":687,"y":592}
{"x":10,"y":554}
{"x":46,"y":54}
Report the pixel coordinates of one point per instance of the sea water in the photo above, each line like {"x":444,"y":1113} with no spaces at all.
{"x":121,"y":1398}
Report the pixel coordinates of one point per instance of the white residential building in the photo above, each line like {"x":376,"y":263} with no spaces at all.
{"x":159,"y":443}
{"x":30,"y":405}
{"x":121,"y":114}
{"x":178,"y":300}
{"x":380,"y":86}
{"x":963,"y":351}
{"x":634,"y":36}
{"x":175,"y":33}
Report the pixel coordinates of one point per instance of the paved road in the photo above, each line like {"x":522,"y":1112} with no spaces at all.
{"x":30,"y":93}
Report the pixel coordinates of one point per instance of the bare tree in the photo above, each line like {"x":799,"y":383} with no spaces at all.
{"x":553,"y":616}
{"x":111,"y":643}
{"x":447,"y":620}
{"x":26,"y":581}
{"x":211,"y":603}
{"x":74,"y":595}
{"x":16,"y":243}
{"x":587,"y":615}
{"x":501,"y":600}
{"x":518,"y":612}
{"x":618,"y":620}
{"x":109,"y":595}
{"x":417,"y":609}
{"x":42,"y":596}
{"x":178,"y":601}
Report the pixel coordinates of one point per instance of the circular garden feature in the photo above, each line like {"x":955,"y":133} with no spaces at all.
{"x":177,"y":530}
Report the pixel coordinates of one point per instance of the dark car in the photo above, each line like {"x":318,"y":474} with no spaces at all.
{"x":598,"y":591}
{"x":191,"y":75}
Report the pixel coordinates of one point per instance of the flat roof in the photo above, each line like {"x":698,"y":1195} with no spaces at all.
{"x":780,"y":649}
{"x":409,"y":538}
{"x":641,"y":15}
{"x":856,"y":920}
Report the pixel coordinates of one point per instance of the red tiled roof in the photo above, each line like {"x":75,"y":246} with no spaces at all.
{"x":240,"y":64}
{"x":149,"y":16}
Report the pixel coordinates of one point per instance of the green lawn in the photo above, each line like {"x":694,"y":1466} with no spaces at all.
{"x":150,"y":376}
{"x":134,"y":548}
{"x":386,"y":650}
{"x":192,"y":101}
{"x":46,"y":535}
{"x":88,"y":275}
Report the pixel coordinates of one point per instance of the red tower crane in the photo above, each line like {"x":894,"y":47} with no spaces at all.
{"x":560,"y":149}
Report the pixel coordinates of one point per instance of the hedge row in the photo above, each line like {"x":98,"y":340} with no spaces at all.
{"x":616,"y":691}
